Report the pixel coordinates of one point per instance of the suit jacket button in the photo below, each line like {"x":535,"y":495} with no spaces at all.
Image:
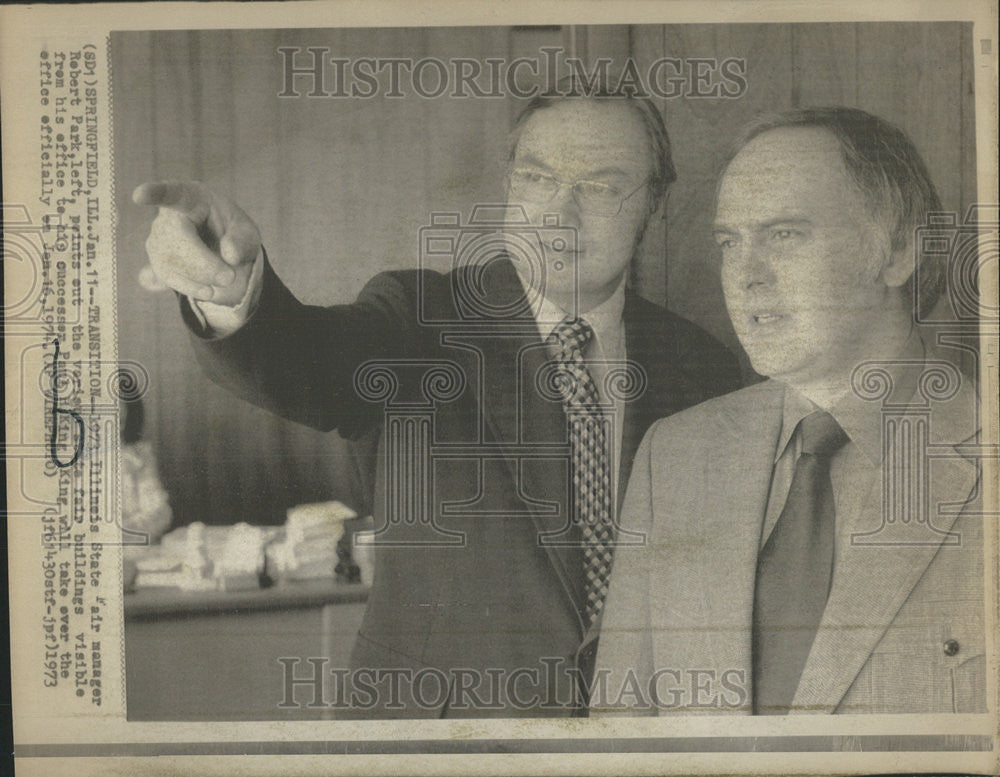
{"x":951,"y":647}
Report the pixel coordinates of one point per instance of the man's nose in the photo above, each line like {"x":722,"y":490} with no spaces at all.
{"x":565,"y":205}
{"x":754,"y":267}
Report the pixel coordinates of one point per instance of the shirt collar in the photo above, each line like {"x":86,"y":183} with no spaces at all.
{"x":795,"y":408}
{"x":861,"y":419}
{"x":605,"y":319}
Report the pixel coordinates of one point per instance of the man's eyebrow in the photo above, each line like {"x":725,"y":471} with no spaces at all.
{"x":533,"y":161}
{"x":789,"y":220}
{"x":769,"y":224}
{"x":607,"y":171}
{"x":528,"y":159}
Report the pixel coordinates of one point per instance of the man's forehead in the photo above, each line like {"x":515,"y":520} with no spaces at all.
{"x":790,"y":168}
{"x":586,"y":134}
{"x":811,"y":153}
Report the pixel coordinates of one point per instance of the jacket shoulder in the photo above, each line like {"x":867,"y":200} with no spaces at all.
{"x":409,"y":282}
{"x":407,"y":295}
{"x":709,"y":419}
{"x":470,"y":292}
{"x":694,"y":355}
{"x":687,"y":337}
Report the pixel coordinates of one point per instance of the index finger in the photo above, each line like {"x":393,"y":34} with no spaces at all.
{"x":186,"y":197}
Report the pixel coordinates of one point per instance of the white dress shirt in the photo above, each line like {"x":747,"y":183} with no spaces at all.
{"x":221,"y":320}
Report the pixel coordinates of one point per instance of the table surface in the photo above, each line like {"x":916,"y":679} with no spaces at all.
{"x":213,"y":655}
{"x":153,"y":603}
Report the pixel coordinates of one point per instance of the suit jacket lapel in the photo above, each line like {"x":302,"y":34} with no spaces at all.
{"x":872,"y":581}
{"x":518,"y":415}
{"x":701,"y":602}
{"x":638,"y":348}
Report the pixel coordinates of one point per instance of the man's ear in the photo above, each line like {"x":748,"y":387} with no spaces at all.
{"x":899,"y":265}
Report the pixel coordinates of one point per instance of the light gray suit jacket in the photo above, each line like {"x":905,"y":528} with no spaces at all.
{"x":903,"y":629}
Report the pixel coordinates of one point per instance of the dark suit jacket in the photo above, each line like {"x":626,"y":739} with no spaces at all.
{"x":471,"y":583}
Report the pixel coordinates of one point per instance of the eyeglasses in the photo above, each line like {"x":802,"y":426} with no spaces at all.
{"x":593,"y":197}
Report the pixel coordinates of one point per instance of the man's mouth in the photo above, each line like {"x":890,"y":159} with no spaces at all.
{"x":767,"y":317}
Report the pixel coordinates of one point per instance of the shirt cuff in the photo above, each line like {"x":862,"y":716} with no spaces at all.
{"x":221,"y":320}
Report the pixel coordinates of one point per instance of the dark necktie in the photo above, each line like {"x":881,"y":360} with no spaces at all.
{"x":589,"y":432}
{"x":794,"y":570}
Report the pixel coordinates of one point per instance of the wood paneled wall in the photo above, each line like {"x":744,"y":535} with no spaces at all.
{"x":340,"y":189}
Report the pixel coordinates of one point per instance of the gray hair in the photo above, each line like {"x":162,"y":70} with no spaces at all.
{"x":887,"y":169}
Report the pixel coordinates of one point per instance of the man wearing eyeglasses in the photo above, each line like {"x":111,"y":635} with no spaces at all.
{"x":563,"y":368}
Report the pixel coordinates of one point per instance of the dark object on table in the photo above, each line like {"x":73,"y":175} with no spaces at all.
{"x":346,"y":570}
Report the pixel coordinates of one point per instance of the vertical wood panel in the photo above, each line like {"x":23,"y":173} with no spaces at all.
{"x":911,"y":74}
{"x":176,"y":154}
{"x":610,"y":41}
{"x":134,"y":136}
{"x":967,"y":138}
{"x":932,"y":106}
{"x":649,"y":276}
{"x":825,"y":65}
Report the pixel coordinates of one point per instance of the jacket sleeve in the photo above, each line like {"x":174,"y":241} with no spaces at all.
{"x":299,"y":361}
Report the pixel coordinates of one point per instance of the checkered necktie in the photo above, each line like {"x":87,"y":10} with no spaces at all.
{"x":589,"y":431}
